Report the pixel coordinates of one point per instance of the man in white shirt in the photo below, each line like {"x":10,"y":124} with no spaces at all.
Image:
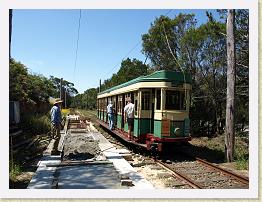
{"x":110,"y":112}
{"x":129,"y":116}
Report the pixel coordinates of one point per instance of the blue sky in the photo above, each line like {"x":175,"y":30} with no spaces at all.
{"x":45,"y":41}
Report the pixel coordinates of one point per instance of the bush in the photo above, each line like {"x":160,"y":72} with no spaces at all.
{"x":37,"y":123}
{"x":241,"y":154}
{"x":14,"y":169}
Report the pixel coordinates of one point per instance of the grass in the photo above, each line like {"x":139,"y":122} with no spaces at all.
{"x":14,"y":169}
{"x":37,"y":123}
{"x":216,"y":145}
{"x":241,"y":154}
{"x":87,"y":113}
{"x":35,"y":127}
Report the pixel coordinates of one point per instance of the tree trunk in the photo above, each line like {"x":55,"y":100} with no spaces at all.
{"x":230,"y":106}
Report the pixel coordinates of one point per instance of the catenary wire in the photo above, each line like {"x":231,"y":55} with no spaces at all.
{"x":78,"y":31}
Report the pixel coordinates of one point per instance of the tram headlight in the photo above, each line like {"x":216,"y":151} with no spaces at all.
{"x":177,"y":131}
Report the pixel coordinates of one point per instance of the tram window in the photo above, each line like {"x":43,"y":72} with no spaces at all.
{"x":145,"y":101}
{"x":175,"y":100}
{"x":119,"y":106}
{"x":158,"y":99}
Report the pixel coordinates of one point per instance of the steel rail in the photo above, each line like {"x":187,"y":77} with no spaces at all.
{"x":179,"y":175}
{"x":238,"y":177}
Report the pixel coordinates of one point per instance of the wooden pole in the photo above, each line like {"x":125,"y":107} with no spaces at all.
{"x":10,"y":30}
{"x":65,"y":98}
{"x":61,"y":88}
{"x":231,"y":77}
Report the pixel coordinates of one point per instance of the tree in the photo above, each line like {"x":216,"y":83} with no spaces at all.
{"x":18,"y":82}
{"x":129,"y":69}
{"x":231,"y":74}
{"x":163,"y":41}
{"x":68,"y":89}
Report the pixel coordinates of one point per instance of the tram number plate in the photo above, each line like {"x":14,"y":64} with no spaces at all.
{"x":166,"y":127}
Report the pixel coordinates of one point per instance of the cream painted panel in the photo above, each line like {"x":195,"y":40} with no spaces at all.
{"x":175,"y":115}
{"x":158,"y":115}
{"x":136,"y":86}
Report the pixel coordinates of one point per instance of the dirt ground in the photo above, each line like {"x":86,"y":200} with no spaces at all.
{"x":80,"y":147}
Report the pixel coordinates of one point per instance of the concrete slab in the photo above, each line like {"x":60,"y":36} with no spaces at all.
{"x":88,"y":177}
{"x":61,"y":141}
{"x":43,"y":176}
{"x":121,"y":165}
{"x":49,"y":148}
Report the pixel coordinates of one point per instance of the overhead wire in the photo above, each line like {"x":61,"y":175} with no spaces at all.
{"x":78,"y":31}
{"x":133,"y":49}
{"x":122,"y":59}
{"x":170,"y":50}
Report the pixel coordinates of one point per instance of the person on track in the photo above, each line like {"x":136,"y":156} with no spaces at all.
{"x":56,"y":119}
{"x":129,"y":116}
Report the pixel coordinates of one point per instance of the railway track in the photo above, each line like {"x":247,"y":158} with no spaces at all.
{"x":200,"y":174}
{"x":190,"y":172}
{"x":184,"y":172}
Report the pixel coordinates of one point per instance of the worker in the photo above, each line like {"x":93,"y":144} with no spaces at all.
{"x":110,"y":113}
{"x":56,"y":120}
{"x":129,"y":116}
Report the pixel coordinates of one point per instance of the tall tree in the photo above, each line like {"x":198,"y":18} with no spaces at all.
{"x":231,"y":77}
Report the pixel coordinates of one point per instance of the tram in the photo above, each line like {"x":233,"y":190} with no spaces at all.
{"x":161,"y":116}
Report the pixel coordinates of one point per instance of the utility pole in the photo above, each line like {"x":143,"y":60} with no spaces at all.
{"x":10,"y":30}
{"x":99,"y":85}
{"x":231,"y":77}
{"x":61,"y":88}
{"x":65,"y":98}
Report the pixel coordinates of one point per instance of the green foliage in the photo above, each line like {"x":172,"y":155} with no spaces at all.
{"x":130,"y":69}
{"x":14,"y":169}
{"x":241,"y":154}
{"x":38,"y":123}
{"x":18,"y":82}
{"x":68,"y":90}
{"x":87,"y":100}
{"x":166,"y":34}
{"x":178,"y":44}
{"x":34,"y":90}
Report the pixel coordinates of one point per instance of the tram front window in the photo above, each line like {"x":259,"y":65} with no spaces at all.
{"x":175,"y":100}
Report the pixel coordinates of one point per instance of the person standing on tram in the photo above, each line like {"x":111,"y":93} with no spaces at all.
{"x":129,"y":116}
{"x":110,"y":112}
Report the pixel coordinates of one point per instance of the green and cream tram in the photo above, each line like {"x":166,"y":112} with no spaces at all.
{"x":161,"y":114}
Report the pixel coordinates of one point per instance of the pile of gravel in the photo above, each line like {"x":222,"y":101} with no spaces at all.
{"x":80,"y":147}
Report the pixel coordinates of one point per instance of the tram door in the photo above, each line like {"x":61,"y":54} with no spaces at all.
{"x":152,"y":111}
{"x":122,"y":110}
{"x":115,"y":99}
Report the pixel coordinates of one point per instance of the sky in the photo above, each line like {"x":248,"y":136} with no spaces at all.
{"x":45,"y":41}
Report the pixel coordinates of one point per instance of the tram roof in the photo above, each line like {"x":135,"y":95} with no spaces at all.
{"x":163,"y":75}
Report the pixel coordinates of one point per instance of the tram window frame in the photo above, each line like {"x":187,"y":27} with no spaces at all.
{"x":177,"y":103}
{"x":158,"y":99}
{"x":145,"y":100}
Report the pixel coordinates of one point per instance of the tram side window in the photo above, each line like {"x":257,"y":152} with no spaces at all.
{"x":158,"y":99}
{"x":145,"y":101}
{"x":175,"y":100}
